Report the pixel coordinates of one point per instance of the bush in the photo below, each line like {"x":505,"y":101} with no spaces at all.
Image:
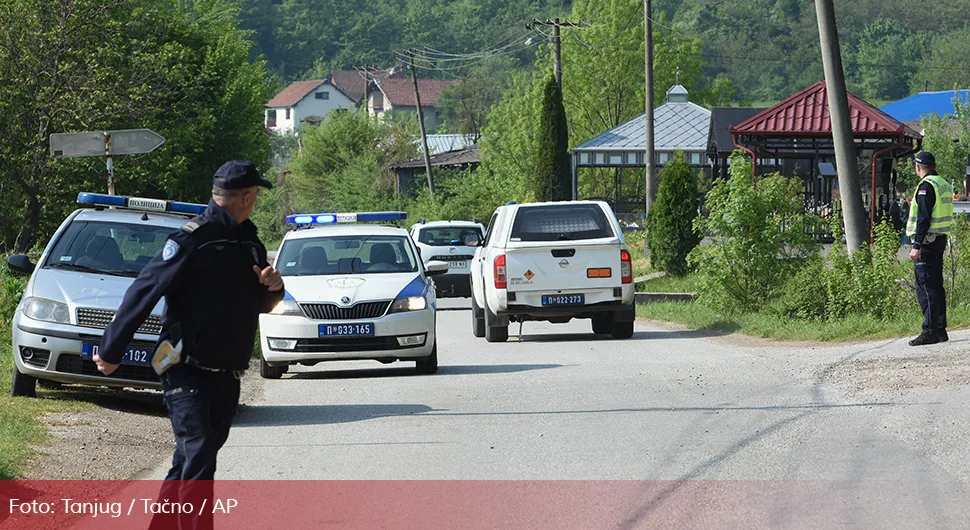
{"x":671,"y":220}
{"x":553,"y":179}
{"x":758,"y":239}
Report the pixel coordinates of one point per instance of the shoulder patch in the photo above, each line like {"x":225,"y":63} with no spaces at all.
{"x":193,"y":225}
{"x":170,"y":250}
{"x":921,"y":192}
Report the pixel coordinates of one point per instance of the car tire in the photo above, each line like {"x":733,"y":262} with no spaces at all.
{"x":494,"y":333}
{"x":478,"y":320}
{"x":602,"y":325}
{"x":23,"y":384}
{"x":622,"y":330}
{"x":270,"y":372}
{"x":428,"y":365}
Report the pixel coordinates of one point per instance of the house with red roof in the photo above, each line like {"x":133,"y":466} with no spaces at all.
{"x":311,"y":102}
{"x":396,"y":95}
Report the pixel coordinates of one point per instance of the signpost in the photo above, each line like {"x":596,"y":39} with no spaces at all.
{"x":106,"y":144}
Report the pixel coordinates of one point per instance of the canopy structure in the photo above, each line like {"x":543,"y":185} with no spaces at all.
{"x":800,"y":128}
{"x":679,"y":125}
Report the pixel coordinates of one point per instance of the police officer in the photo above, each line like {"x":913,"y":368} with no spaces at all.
{"x":216,"y":280}
{"x":930,"y":219}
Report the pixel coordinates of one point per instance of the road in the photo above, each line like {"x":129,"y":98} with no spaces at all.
{"x":819,"y":426}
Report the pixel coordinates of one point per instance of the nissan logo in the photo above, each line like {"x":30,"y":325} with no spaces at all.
{"x":564,"y":263}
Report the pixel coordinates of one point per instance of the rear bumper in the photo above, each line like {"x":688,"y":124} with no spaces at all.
{"x":621,"y":312}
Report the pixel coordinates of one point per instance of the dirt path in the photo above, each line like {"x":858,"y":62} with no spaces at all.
{"x":126,"y":435}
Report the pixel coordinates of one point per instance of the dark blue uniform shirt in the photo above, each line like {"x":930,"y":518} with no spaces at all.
{"x":212,"y":294}
{"x":926,"y":202}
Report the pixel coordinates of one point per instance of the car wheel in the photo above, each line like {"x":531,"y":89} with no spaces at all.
{"x":493,"y":332}
{"x":602,"y":325}
{"x":23,"y":384}
{"x":622,"y":330}
{"x":429,"y":364}
{"x":478,"y":320}
{"x":270,"y":372}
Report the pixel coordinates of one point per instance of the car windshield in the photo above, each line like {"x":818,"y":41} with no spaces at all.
{"x":561,"y":223}
{"x":118,"y":249}
{"x":355,"y":254}
{"x":445,"y":236}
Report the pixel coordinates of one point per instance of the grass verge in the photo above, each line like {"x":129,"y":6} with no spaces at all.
{"x":771,"y":326}
{"x":669,"y":284}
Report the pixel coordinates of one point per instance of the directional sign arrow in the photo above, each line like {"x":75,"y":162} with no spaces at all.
{"x":124,"y":142}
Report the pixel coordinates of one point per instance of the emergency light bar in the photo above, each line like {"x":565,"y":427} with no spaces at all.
{"x":139,"y":203}
{"x":331,"y":218}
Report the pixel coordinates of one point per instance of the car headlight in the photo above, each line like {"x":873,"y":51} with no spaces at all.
{"x":47,"y":310}
{"x":287,"y":307}
{"x":410,"y":303}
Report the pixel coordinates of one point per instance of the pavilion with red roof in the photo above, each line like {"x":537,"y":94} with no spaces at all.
{"x":800,"y":128}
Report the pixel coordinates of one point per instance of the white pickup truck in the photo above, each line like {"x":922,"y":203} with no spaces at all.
{"x":552,"y":261}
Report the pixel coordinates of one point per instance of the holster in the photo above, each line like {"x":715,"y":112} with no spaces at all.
{"x":168,"y":351}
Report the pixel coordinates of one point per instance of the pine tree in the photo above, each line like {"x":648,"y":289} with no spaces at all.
{"x":553,"y":181}
{"x":671,"y":221}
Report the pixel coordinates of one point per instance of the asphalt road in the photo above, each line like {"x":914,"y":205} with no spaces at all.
{"x":820,"y":435}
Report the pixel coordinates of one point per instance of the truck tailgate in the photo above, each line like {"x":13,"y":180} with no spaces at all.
{"x":563,"y":266}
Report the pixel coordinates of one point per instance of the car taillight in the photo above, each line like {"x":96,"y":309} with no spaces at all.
{"x":626,"y":266}
{"x":500,"y":281}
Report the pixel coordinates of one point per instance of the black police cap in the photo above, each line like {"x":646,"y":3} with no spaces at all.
{"x":926,"y":159}
{"x":237,"y":174}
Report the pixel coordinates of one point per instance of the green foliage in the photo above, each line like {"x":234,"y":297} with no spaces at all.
{"x":956,"y":272}
{"x":886,"y":42}
{"x":461,"y":195}
{"x":758,"y":240}
{"x":553,"y":181}
{"x":671,"y":222}
{"x":948,"y":138}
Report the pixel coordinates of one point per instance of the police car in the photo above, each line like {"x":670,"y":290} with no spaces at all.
{"x":445,"y":241}
{"x":353,"y":291}
{"x":78,"y":284}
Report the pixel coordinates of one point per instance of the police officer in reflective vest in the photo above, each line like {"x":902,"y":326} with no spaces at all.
{"x":216,"y":280}
{"x":930,"y":219}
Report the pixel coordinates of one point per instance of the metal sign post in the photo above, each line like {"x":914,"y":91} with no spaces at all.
{"x":106,"y":144}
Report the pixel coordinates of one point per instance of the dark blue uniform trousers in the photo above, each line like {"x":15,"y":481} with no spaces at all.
{"x":201,"y":405}
{"x":929,"y":285}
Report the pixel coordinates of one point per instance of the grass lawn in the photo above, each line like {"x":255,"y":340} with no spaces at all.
{"x":669,"y":284}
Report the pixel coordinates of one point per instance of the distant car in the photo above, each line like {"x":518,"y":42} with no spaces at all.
{"x":353,"y":291}
{"x":552,"y":261}
{"x":445,"y":241}
{"x":77,"y":286}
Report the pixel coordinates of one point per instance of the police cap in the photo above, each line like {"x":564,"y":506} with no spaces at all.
{"x":926,"y":159}
{"x":237,"y":174}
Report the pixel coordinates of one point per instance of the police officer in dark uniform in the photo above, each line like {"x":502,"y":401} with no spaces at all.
{"x":930,"y":220}
{"x":216,"y":280}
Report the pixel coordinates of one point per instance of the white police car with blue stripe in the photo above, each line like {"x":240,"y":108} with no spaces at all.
{"x":77,"y":286}
{"x":353,"y":291}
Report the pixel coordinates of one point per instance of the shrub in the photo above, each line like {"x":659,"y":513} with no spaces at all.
{"x":671,"y":220}
{"x":553,"y":179}
{"x":758,"y":239}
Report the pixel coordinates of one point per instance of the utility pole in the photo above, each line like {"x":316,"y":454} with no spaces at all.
{"x":651,"y":187}
{"x":424,"y":135}
{"x":853,"y":212}
{"x":556,"y":24}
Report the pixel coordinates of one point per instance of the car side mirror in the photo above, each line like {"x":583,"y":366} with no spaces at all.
{"x":473,"y":240}
{"x":435,"y":268}
{"x":21,"y":264}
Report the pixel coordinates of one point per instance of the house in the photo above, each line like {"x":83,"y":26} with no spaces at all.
{"x":720,"y":143}
{"x":442,"y":143}
{"x":396,"y":95}
{"x":302,"y":100}
{"x":350,"y":82}
{"x":408,"y":172}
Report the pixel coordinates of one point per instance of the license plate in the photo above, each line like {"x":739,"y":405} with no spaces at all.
{"x":564,"y":299}
{"x":347,"y":330}
{"x":133,"y":355}
{"x":457,"y":264}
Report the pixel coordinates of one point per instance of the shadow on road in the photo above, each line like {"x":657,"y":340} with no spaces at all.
{"x":143,"y":402}
{"x":281,"y":415}
{"x":409,"y":371}
{"x":639,"y":335}
{"x":492,"y":368}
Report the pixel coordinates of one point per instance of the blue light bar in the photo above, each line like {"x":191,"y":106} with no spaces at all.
{"x":139,"y":203}
{"x":306,"y":219}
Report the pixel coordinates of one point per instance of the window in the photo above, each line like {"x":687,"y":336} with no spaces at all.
{"x":323,"y":95}
{"x":600,"y":158}
{"x":488,"y":231}
{"x":616,"y":160}
{"x":288,"y":113}
{"x":662,"y":157}
{"x":631,"y":159}
{"x":696,"y":159}
{"x":560,"y":223}
{"x":119,"y":249}
{"x":445,"y":236}
{"x":357,"y":254}
{"x":584,"y":158}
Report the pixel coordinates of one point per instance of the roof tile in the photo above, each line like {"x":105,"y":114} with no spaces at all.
{"x":292,"y":94}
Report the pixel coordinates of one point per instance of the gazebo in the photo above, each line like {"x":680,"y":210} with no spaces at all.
{"x":800,"y":128}
{"x":679,"y":125}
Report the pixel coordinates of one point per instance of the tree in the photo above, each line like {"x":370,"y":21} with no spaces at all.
{"x":553,"y":180}
{"x":671,"y":222}
{"x":944,"y":64}
{"x":886,"y":42}
{"x":948,"y":138}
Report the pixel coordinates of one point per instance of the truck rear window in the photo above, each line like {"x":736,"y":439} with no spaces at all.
{"x":566,"y":222}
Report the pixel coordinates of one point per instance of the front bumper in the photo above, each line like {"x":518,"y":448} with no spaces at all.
{"x":311,"y":348}
{"x":56,"y":355}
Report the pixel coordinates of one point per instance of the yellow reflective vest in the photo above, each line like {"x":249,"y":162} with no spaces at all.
{"x":941,"y":218}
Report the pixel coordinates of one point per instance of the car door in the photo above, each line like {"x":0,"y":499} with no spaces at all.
{"x":477,"y":270}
